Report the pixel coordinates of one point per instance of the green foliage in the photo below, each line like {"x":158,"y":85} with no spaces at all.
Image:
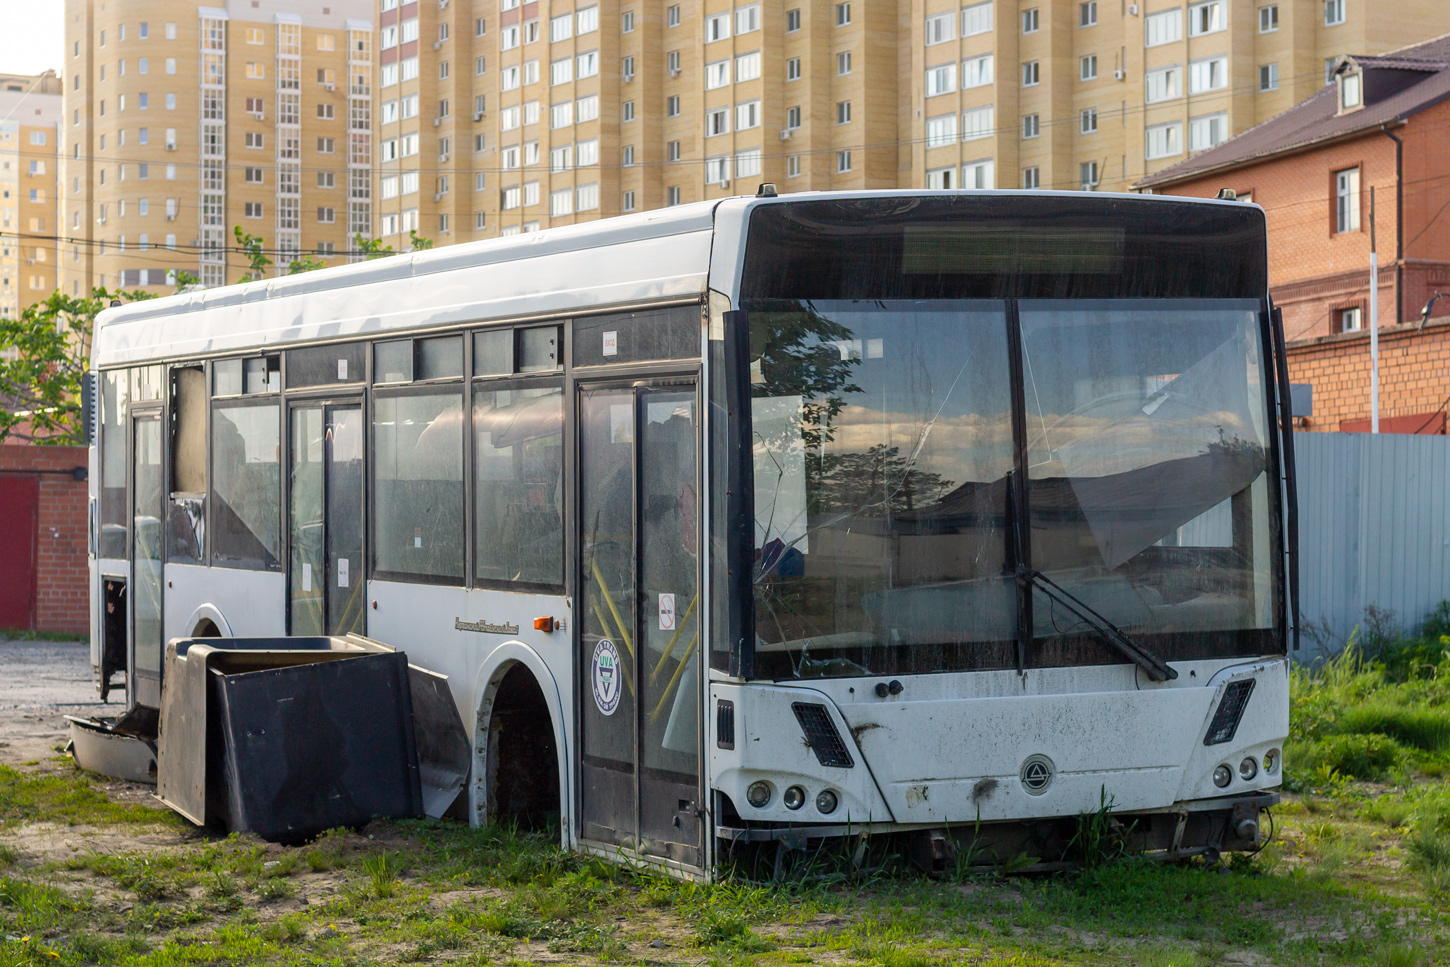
{"x":1354,"y":756}
{"x":40,"y":388}
{"x":418,"y":243}
{"x":382,"y":873}
{"x":307,"y":263}
{"x":257,"y":261}
{"x":70,"y":800}
{"x":372,"y":248}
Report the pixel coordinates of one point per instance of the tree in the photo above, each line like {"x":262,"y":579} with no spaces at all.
{"x":40,"y":388}
{"x":417,"y":242}
{"x":373,"y":248}
{"x":307,"y":263}
{"x":257,"y":262}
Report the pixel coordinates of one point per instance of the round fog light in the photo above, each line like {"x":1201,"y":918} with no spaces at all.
{"x":794,"y":798}
{"x":1248,"y":768}
{"x":1271,"y":761}
{"x":758,"y":795}
{"x":1222,"y":776}
{"x":826,"y":802}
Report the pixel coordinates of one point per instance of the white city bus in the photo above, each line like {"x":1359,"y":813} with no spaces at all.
{"x":765,"y":519}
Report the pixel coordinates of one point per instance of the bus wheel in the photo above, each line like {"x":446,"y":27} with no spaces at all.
{"x":524,"y":763}
{"x":206,"y":628}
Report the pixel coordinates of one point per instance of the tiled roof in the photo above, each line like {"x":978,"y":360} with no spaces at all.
{"x":1317,"y":119}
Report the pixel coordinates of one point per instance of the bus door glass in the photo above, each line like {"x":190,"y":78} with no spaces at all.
{"x":640,"y":627}
{"x":148,"y":555}
{"x":325,"y":520}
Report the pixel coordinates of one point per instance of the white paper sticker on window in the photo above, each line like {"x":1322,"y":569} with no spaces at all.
{"x":417,"y":537}
{"x":611,"y":343}
{"x":667,"y":612}
{"x":342,"y":572}
{"x":621,"y":423}
{"x":342,"y":369}
{"x":307,"y":577}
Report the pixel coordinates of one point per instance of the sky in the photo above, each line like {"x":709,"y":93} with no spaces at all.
{"x":33,"y":38}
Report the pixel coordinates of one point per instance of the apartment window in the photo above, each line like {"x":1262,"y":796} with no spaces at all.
{"x":1087,"y":13}
{"x":941,"y":130}
{"x":561,"y":27}
{"x":1268,"y":77}
{"x":1329,"y":64}
{"x":254,"y":71}
{"x":255,"y":35}
{"x":672,"y":61}
{"x":254,"y":176}
{"x":626,"y":112}
{"x":325,"y":112}
{"x":626,"y":201}
{"x":747,"y":115}
{"x":793,"y":166}
{"x":717,"y":171}
{"x":1031,"y":177}
{"x":142,"y":99}
{"x":326,"y":145}
{"x":327,"y":42}
{"x":673,"y":195}
{"x":254,"y":139}
{"x":843,"y":112}
{"x":941,"y":179}
{"x":843,"y":63}
{"x":1087,"y":120}
{"x":561,"y":71}
{"x":1031,"y":126}
{"x":326,"y":179}
{"x":717,"y":121}
{"x":480,"y":142}
{"x":626,"y":156}
{"x":977,"y":71}
{"x":747,"y":66}
{"x":1205,"y":132}
{"x":672,"y":106}
{"x":978,"y":123}
{"x":509,"y":79}
{"x":1346,"y":200}
{"x":143,"y":136}
{"x":1087,"y":174}
{"x":672,"y":16}
{"x":979,"y":174}
{"x":793,"y":69}
{"x":326,"y":216}
{"x":843,"y":17}
{"x":561,"y":159}
{"x":171,"y":102}
{"x":1209,"y":74}
{"x":747,"y":18}
{"x":143,"y":65}
{"x":1164,"y":140}
{"x":1269,"y":18}
{"x":976,"y":19}
{"x":561,"y":115}
{"x":144,"y":29}
{"x":717,"y":27}
{"x":442,"y":70}
{"x":1349,"y":91}
{"x":627,"y":68}
{"x":409,"y":68}
{"x":1088,"y":67}
{"x":1333,"y":12}
{"x":586,"y":64}
{"x":626,"y":22}
{"x":843,"y":161}
{"x":1160,"y":85}
{"x":171,"y":31}
{"x":388,"y":76}
{"x":1349,"y":320}
{"x":793,"y":117}
{"x":939,"y":29}
{"x":1031,"y":74}
{"x":253,"y":209}
{"x":672,"y":151}
{"x":1165,"y":27}
{"x":1030,"y":25}
{"x":1205,"y":18}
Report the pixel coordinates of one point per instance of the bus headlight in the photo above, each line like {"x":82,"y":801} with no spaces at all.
{"x":826,"y":802}
{"x":1271,"y":761}
{"x":1222,"y":776}
{"x":794,"y":798}
{"x":758,"y":795}
{"x":1248,"y":768}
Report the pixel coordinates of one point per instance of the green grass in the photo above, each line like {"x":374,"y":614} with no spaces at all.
{"x":70,"y":800}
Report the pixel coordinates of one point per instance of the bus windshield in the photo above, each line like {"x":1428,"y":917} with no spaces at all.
{"x":887,"y":539}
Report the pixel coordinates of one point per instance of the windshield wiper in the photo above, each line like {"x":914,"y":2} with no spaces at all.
{"x":1111,"y":634}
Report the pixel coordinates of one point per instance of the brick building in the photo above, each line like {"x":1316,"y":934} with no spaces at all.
{"x":1362,"y":162}
{"x":43,"y":563}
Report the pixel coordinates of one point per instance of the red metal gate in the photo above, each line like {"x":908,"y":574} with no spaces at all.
{"x":19,"y":516}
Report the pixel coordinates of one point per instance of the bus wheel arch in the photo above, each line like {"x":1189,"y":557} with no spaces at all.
{"x":520,"y":773}
{"x":207,"y":622}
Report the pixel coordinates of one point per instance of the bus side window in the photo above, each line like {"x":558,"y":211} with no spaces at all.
{"x":188,"y":464}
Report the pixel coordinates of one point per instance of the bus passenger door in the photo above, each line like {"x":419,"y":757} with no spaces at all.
{"x":148,"y":559}
{"x":640,"y":619}
{"x":325,"y":520}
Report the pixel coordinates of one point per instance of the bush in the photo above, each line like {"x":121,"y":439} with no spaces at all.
{"x":1423,"y":728}
{"x":1369,"y":757}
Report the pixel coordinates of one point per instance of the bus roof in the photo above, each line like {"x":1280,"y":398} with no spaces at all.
{"x":656,"y":256}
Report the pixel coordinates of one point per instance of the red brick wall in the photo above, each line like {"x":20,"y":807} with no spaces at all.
{"x":62,"y":576}
{"x":1414,"y":373}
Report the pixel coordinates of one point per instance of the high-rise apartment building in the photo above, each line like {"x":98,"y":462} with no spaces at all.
{"x":29,"y":133}
{"x":500,"y":116}
{"x":183,"y":121}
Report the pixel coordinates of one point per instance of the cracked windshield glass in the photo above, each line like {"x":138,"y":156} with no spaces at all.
{"x":883,"y":455}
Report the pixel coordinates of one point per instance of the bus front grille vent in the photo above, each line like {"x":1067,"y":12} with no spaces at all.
{"x":821,"y":735}
{"x":1230,"y":709}
{"x":725,"y":724}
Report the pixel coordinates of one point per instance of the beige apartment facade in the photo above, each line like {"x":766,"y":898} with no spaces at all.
{"x":497,"y":116}
{"x":29,"y":135}
{"x":182,"y":121}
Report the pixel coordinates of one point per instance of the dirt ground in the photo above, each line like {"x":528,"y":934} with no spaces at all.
{"x":40,"y":683}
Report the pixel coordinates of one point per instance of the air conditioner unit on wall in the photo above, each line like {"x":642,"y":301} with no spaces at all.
{"x":1119,"y":74}
{"x":786,"y":134}
{"x":478,"y":116}
{"x":1132,"y":10}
